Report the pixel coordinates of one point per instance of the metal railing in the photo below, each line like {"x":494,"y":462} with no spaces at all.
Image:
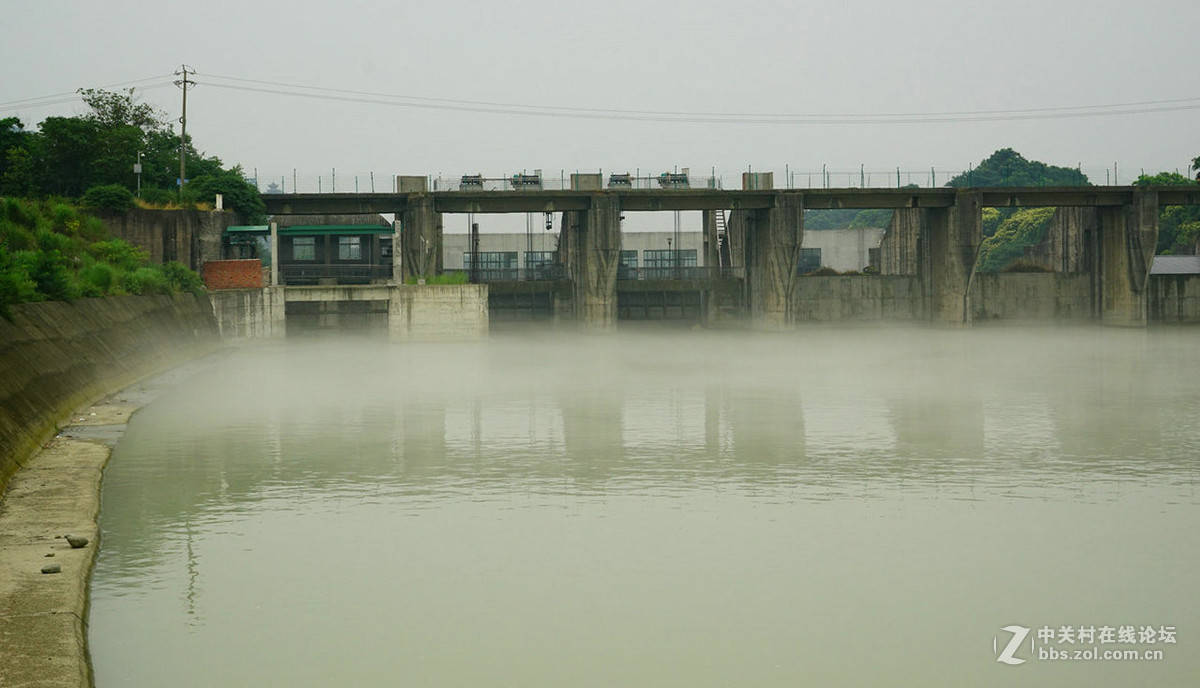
{"x":678,"y":273}
{"x":297,"y":274}
{"x":548,"y":273}
{"x":804,"y":176}
{"x":562,"y":181}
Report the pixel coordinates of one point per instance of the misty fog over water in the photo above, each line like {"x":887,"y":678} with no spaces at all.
{"x":823,"y":507}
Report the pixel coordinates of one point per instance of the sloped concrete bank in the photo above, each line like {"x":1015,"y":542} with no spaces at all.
{"x":56,"y":358}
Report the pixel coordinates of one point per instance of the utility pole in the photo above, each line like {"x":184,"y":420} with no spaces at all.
{"x":184,"y":82}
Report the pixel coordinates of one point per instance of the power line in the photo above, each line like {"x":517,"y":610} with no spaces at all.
{"x":492,"y":107}
{"x":615,"y":114}
{"x":59,"y":98}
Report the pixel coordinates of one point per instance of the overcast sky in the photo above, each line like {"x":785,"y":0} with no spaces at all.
{"x":749,"y":57}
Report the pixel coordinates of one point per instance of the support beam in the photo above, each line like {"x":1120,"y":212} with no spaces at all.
{"x":1128,"y":238}
{"x":397,"y":253}
{"x":590,"y":248}
{"x":274,"y":254}
{"x":421,"y":238}
{"x":711,"y":258}
{"x":949,"y":248}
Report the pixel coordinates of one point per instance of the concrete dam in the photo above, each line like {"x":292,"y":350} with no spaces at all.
{"x":751,"y":246}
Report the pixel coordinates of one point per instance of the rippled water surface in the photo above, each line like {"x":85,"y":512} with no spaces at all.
{"x":864,"y":507}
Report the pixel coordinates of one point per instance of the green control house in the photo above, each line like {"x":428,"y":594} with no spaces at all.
{"x":320,"y":254}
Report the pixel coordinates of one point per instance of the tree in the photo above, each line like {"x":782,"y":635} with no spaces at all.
{"x":68,"y":145}
{"x":239,"y":194}
{"x":114,"y":109}
{"x":16,"y":159}
{"x":1006,"y":167}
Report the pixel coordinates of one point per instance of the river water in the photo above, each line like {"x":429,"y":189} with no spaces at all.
{"x":829,"y":507}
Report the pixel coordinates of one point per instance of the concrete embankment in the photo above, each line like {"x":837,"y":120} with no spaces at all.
{"x":54,"y":359}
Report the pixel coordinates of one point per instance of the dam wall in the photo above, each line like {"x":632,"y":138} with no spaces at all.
{"x":191,"y":237}
{"x":244,"y":314}
{"x":1174,"y":299}
{"x":56,"y":357}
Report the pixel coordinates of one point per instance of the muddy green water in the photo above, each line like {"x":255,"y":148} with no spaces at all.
{"x":866,"y":507}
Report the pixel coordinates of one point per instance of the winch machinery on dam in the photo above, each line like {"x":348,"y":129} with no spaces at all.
{"x":937,"y":231}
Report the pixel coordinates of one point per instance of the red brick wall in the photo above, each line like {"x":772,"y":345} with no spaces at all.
{"x":234,"y":274}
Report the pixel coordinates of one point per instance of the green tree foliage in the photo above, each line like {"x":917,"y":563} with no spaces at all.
{"x":67,"y":145}
{"x":115,"y":109}
{"x":1007,"y":243}
{"x":66,"y":156}
{"x":16,"y":159}
{"x":237,"y":192}
{"x":991,"y":220}
{"x":1006,"y":167}
{"x":1178,"y":225}
{"x":818,"y":220}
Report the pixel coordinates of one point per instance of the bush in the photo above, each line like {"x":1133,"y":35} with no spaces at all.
{"x":119,"y":254}
{"x":160,"y":198}
{"x":146,"y":280}
{"x":180,"y":278}
{"x":23,"y":213}
{"x":16,"y":286}
{"x":52,"y":276}
{"x":53,"y":241}
{"x":97,"y":279}
{"x":16,"y":237}
{"x":109,"y":197}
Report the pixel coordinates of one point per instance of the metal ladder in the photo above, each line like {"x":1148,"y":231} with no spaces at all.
{"x":723,"y":255}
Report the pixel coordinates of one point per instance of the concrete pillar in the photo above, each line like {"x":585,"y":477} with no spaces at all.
{"x":1128,"y":238}
{"x":898,"y":249}
{"x":590,"y":248}
{"x":950,"y":245}
{"x":420,"y":238}
{"x":274,"y":254}
{"x":772,"y":254}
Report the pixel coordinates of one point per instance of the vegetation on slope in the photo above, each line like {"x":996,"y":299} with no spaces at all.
{"x":51,"y":250}
{"x":1007,"y":231}
{"x":1006,"y":243}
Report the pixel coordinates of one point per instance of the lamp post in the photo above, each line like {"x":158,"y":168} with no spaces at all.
{"x":137,"y":169}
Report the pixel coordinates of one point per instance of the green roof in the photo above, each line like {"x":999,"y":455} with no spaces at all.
{"x":248,"y":229}
{"x":308,"y":230}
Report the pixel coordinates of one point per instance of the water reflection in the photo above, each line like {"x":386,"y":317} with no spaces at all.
{"x":705,"y":499}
